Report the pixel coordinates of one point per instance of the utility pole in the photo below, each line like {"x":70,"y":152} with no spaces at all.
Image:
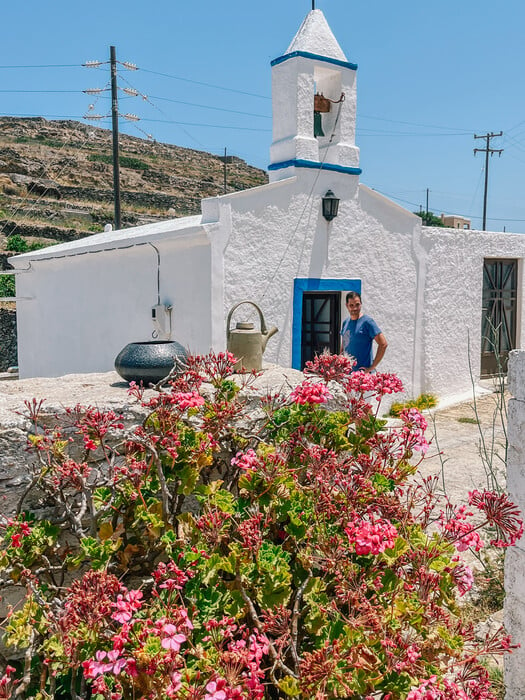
{"x":486,"y":151}
{"x":426,"y":221}
{"x":225,"y":171}
{"x":225,"y":160}
{"x":114,"y":122}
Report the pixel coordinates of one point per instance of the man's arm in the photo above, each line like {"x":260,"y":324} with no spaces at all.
{"x":380,"y":352}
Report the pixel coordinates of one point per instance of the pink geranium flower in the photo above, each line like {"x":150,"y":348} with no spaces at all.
{"x":310,"y":393}
{"x":126,"y":605}
{"x":245,"y":460}
{"x":215,"y":690}
{"x":371,"y":536}
{"x":172,"y":639}
{"x":186,"y":400}
{"x":104,"y":662}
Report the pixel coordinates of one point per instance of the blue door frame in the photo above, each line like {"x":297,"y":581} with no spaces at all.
{"x":313,"y":285}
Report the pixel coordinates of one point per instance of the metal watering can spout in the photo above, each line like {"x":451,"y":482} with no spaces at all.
{"x":266,"y":336}
{"x":247,"y":343}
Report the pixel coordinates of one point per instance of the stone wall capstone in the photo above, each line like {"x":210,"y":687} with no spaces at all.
{"x":515,"y":556}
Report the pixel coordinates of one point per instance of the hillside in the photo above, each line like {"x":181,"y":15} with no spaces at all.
{"x":56,"y":181}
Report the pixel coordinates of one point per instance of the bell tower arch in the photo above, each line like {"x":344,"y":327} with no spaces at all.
{"x":314,"y":103}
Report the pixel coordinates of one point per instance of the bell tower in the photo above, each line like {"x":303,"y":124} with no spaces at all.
{"x":314,"y":104}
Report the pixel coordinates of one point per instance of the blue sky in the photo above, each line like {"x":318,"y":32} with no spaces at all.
{"x":430,"y":76}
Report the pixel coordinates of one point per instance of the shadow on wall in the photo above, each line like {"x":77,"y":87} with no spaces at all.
{"x":8,"y":341}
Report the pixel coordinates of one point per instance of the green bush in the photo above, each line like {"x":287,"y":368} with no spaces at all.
{"x":7,"y":286}
{"x":422,"y":403}
{"x":17,"y":244}
{"x":124,"y":161}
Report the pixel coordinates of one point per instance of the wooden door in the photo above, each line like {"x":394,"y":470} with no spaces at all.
{"x":320,"y":325}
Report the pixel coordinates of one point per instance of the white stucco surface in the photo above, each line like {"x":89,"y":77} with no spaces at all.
{"x":315,"y":36}
{"x":453,"y":301}
{"x":515,"y":556}
{"x":84,"y":308}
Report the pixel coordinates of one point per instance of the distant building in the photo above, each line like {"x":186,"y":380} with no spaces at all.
{"x":449,"y":301}
{"x":455,"y":221}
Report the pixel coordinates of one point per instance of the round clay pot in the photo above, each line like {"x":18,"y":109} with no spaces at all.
{"x":149,"y":361}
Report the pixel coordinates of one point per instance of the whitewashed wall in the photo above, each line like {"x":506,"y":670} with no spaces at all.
{"x":277,"y":234}
{"x":515,"y":556}
{"x":453,"y":302}
{"x":422,"y":285}
{"x":86,"y":308}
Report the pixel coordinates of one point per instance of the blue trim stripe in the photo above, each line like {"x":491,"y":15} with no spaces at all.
{"x":302,"y":285}
{"x":316,"y":57}
{"x":299,"y":163}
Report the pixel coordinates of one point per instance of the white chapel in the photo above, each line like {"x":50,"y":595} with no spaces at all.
{"x":449,"y":301}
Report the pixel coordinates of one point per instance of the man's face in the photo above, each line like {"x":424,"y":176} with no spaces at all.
{"x":354,"y":308}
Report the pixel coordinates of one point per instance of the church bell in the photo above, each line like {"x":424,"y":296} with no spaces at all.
{"x":321,"y":105}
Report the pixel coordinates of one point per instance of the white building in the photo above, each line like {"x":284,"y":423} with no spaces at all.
{"x":426,"y":287}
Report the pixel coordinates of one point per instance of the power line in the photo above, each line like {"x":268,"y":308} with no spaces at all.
{"x":208,"y":126}
{"x":218,"y":109}
{"x":209,"y":85}
{"x":423,"y":126}
{"x":43,"y":116}
{"x":46,"y":92}
{"x":60,"y":65}
{"x":377,"y":132}
{"x":445,"y":211}
{"x":155,"y":106}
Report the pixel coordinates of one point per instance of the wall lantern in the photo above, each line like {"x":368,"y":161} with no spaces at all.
{"x":330,"y":205}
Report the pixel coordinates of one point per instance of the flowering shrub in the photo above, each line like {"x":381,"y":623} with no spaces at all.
{"x":212,"y":553}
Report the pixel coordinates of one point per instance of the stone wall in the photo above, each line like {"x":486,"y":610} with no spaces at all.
{"x":105,"y":390}
{"x":515,"y":556}
{"x":8,"y":344}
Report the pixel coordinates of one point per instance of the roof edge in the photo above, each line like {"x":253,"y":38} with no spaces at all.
{"x":314,"y":57}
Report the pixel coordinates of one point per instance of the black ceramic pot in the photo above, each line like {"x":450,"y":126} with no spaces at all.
{"x":150,"y":361}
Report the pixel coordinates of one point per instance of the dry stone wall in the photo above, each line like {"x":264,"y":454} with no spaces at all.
{"x":104,"y":390}
{"x":8,"y":338}
{"x":8,"y":344}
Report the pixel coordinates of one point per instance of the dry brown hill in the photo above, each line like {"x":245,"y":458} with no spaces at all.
{"x":56,"y":180}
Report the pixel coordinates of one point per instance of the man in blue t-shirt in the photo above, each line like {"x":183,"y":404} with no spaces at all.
{"x":357,"y":336}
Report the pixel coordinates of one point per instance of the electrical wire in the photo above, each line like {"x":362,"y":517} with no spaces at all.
{"x":218,"y":109}
{"x":45,"y":92}
{"x":423,"y":126}
{"x":209,"y":85}
{"x":208,"y":126}
{"x":445,"y":211}
{"x":43,"y":116}
{"x":63,"y":65}
{"x":185,"y":131}
{"x":372,"y":132}
{"x":46,"y":172}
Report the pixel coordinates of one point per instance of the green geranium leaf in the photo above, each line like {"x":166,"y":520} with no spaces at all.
{"x":290,"y":686}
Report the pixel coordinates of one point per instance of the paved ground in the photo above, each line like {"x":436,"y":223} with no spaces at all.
{"x":471,"y":438}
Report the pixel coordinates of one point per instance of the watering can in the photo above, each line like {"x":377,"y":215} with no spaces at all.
{"x":246,"y":342}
